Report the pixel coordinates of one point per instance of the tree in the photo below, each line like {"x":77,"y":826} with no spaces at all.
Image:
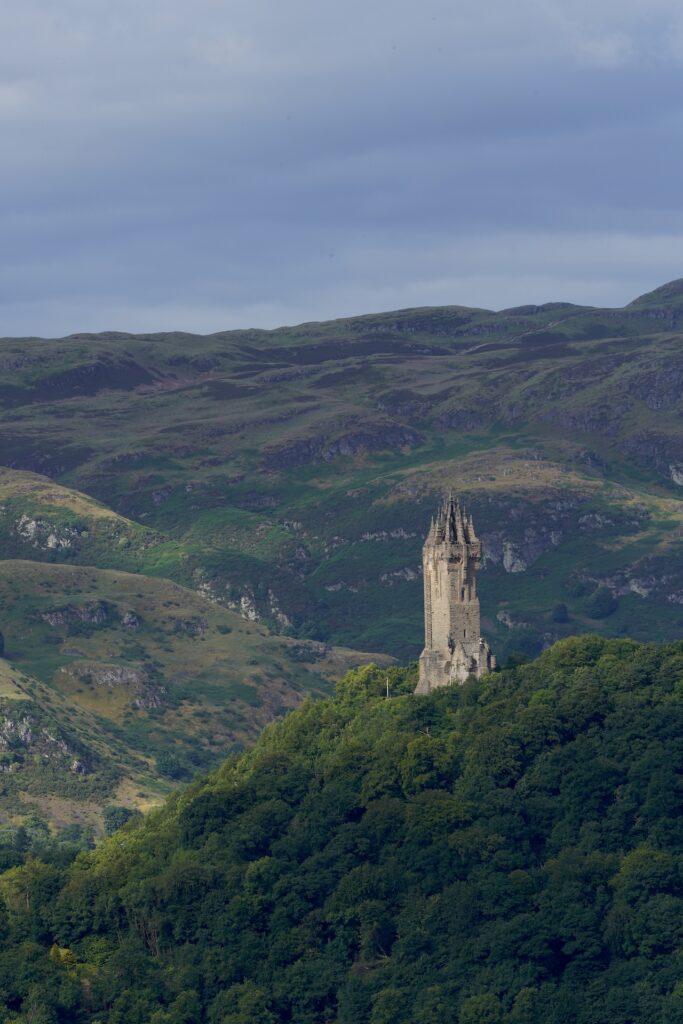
{"x":239,"y":1004}
{"x":388,"y":1006}
{"x":601,"y":604}
{"x":170,"y":766}
{"x":115,"y":817}
{"x":483,"y":1009}
{"x":508,"y":850}
{"x":560,"y":613}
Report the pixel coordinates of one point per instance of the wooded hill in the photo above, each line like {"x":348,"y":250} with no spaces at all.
{"x":506,"y":852}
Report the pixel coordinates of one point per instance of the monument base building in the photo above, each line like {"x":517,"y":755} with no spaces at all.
{"x":454,"y":648}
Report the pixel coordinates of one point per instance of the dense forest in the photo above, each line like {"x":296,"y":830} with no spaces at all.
{"x":505,"y":852}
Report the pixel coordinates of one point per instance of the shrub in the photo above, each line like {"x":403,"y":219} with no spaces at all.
{"x":560,"y":613}
{"x":116,"y":817}
{"x":601,"y":604}
{"x":170,"y":766}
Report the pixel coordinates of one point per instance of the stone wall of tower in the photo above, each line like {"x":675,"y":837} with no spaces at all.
{"x":454,"y":648}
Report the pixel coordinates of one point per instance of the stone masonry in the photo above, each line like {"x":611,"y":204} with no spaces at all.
{"x":454,"y":648}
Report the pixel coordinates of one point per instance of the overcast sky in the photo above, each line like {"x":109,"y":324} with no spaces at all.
{"x":207,"y":164}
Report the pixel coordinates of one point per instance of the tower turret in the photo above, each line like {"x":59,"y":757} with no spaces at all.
{"x":454,"y":648}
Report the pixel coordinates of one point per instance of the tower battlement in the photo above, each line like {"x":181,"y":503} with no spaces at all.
{"x":454,"y":648}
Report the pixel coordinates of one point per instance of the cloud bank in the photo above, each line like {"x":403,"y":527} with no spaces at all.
{"x":214,"y":165}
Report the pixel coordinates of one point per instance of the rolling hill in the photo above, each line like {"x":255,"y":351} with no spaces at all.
{"x":116,"y":686}
{"x":205,"y":520}
{"x":289,"y":474}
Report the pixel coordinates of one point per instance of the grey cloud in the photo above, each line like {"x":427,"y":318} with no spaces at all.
{"x":207,"y":166}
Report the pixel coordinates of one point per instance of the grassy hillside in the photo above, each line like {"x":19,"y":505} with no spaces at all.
{"x":290,"y":474}
{"x":142,"y":682}
{"x":188,"y":524}
{"x":506,"y":852}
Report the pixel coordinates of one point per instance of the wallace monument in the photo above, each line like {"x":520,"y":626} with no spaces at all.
{"x":454,"y":648}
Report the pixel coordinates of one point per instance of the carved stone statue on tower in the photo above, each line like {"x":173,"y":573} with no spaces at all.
{"x":454,"y":648}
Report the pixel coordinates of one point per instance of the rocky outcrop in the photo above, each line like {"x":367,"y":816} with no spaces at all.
{"x":656,"y":578}
{"x":93,"y":613}
{"x":385,"y":535}
{"x":308,"y":651}
{"x":28,"y":739}
{"x":405,"y":575}
{"x":44,"y":535}
{"x":141,"y":681}
{"x":594,"y":521}
{"x":516,"y":555}
{"x":509,"y":621}
{"x":244,"y":600}
{"x":195,"y":625}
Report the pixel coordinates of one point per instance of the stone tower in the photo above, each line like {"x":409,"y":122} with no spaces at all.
{"x":454,"y":648}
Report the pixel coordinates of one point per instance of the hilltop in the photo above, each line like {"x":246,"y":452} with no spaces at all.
{"x":505,"y":852}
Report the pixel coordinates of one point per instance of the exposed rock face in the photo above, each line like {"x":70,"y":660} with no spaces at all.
{"x":245,"y":602}
{"x":140,"y":680}
{"x":25,"y":732}
{"x":276,"y":612}
{"x":594,"y":521}
{"x":194,"y":626}
{"x":508,"y":620}
{"x":247,"y":608}
{"x":517,"y":555}
{"x":656,"y":577}
{"x":47,"y":536}
{"x":94,"y":613}
{"x":397,"y":534}
{"x":117,"y":675}
{"x":407,"y":574}
{"x":308,"y":650}
{"x":335,"y":588}
{"x":512,"y":561}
